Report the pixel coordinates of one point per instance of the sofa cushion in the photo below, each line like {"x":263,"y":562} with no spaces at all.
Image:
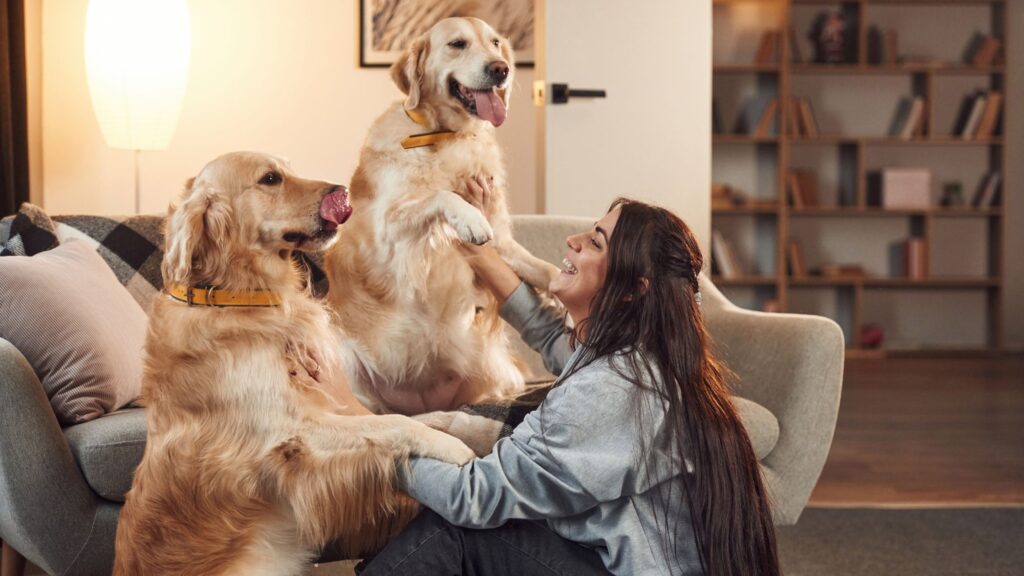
{"x":77,"y":326}
{"x":108,"y":450}
{"x":762,"y":426}
{"x":28,"y":232}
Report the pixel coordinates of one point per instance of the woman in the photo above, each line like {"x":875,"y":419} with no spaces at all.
{"x":636,"y":462}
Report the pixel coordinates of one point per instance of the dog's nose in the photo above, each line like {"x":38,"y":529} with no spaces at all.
{"x":497,"y":70}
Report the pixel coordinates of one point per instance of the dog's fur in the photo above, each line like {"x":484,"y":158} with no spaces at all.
{"x":425,"y":335}
{"x":257,"y":455}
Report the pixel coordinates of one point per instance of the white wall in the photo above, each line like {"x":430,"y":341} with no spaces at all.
{"x":268,"y":75}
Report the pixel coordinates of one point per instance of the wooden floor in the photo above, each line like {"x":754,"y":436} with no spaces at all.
{"x":928,"y":432}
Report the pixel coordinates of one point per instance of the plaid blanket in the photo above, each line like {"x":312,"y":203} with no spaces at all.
{"x":133,"y":248}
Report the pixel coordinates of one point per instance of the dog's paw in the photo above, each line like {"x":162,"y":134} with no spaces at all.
{"x":444,"y":447}
{"x":468,"y":223}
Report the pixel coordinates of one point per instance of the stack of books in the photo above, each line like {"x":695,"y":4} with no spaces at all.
{"x":986,"y":195}
{"x":983,"y":50}
{"x":882,"y":46}
{"x":979,"y":113}
{"x":758,"y":117}
{"x":908,"y":121}
{"x":909,"y":258}
{"x":800,"y":119}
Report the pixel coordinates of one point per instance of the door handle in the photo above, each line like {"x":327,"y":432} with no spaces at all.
{"x":560,"y":93}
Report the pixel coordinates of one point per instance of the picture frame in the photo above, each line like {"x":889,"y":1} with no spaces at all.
{"x":387,"y":26}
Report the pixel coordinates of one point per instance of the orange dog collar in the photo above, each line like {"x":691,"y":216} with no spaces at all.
{"x":210,"y":296}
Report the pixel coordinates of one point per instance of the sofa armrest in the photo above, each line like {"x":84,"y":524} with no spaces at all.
{"x":793,"y":365}
{"x":47,"y":511}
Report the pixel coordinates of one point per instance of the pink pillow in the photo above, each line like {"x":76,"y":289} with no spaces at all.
{"x":79,"y":328}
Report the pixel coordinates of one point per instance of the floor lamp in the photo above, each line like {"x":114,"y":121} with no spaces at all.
{"x":136,"y":59}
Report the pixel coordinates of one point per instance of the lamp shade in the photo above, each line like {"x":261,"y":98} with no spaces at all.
{"x":136,"y":59}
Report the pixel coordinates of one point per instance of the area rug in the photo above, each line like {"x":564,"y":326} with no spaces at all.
{"x":882,"y":541}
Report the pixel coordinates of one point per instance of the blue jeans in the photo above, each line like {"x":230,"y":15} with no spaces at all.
{"x":431,"y":545}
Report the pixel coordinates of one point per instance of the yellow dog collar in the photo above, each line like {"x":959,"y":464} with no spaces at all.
{"x":426,"y":139}
{"x":209,"y":296}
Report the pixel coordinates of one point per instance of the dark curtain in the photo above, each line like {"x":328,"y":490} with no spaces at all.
{"x":13,"y":108}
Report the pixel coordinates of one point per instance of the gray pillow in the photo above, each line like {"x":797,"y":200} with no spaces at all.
{"x":79,"y":328}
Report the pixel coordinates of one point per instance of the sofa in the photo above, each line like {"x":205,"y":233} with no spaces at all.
{"x":61,"y":488}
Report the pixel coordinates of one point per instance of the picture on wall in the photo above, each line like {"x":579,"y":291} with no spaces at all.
{"x":387,"y":26}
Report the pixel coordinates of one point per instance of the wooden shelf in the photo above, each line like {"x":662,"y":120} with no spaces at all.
{"x":744,"y":281}
{"x":852,"y":212}
{"x":831,"y":139}
{"x":877,"y":282}
{"x":743,"y":139}
{"x":940,"y":69}
{"x":737,"y":68}
{"x":764,"y":169}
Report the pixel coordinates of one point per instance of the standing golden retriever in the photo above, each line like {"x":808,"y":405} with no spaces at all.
{"x":258,"y":454}
{"x":423,"y":334}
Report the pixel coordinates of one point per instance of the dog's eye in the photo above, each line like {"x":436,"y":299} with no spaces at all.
{"x":457,"y":44}
{"x":496,"y":42}
{"x":271,"y":178}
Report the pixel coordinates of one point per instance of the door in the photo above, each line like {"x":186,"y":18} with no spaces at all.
{"x":649,"y":137}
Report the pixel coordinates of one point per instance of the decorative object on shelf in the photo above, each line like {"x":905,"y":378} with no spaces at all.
{"x":882,"y":46}
{"x":769,"y":49}
{"x":830,"y":38}
{"x":900,"y":188}
{"x":908,"y":120}
{"x":952,"y":194}
{"x":986,"y":195}
{"x":724,"y":196}
{"x":872,"y":336}
{"x":983,"y":50}
{"x":795,"y":258}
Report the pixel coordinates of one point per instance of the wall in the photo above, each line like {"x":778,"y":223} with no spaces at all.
{"x":266,"y":75}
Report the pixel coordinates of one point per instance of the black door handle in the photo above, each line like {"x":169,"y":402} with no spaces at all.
{"x":560,"y":93}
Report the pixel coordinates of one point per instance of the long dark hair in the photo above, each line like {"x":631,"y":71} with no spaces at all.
{"x":649,"y":305}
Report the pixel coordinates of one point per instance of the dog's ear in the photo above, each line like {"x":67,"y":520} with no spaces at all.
{"x":407,"y":71}
{"x":194,"y":230}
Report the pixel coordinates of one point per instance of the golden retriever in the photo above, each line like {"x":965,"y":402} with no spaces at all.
{"x":258,"y":454}
{"x":424,"y":335}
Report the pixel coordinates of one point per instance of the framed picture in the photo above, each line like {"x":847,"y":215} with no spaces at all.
{"x":387,"y":26}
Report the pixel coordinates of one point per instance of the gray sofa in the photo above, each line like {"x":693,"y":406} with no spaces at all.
{"x":61,"y":489}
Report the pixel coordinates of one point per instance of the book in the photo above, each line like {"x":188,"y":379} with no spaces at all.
{"x":899,"y":117}
{"x":768,"y":48}
{"x":974,"y":118}
{"x":803,"y":186}
{"x":986,"y":195}
{"x":795,"y":253}
{"x":964,"y":113}
{"x":722,"y":256}
{"x":982,"y":50}
{"x":750,"y":114}
{"x":792,"y":113}
{"x":916,"y":258}
{"x":882,"y":46}
{"x":906,"y":188}
{"x":989,"y":115}
{"x":766,"y":124}
{"x":914,"y":123}
{"x":808,"y":123}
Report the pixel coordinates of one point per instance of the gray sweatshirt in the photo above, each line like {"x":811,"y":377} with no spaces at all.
{"x":575,"y":462}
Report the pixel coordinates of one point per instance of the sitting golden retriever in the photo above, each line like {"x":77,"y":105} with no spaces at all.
{"x":423,"y":335}
{"x":258,"y":454}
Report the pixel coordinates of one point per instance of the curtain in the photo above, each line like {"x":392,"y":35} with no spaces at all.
{"x":13,"y":108}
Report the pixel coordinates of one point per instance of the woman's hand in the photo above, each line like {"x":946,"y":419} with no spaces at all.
{"x":488,"y":265}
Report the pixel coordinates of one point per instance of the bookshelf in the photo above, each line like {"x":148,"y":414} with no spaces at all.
{"x":955,"y":304}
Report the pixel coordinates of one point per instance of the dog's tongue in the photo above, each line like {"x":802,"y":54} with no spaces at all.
{"x":489,"y":106}
{"x":335,"y":207}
